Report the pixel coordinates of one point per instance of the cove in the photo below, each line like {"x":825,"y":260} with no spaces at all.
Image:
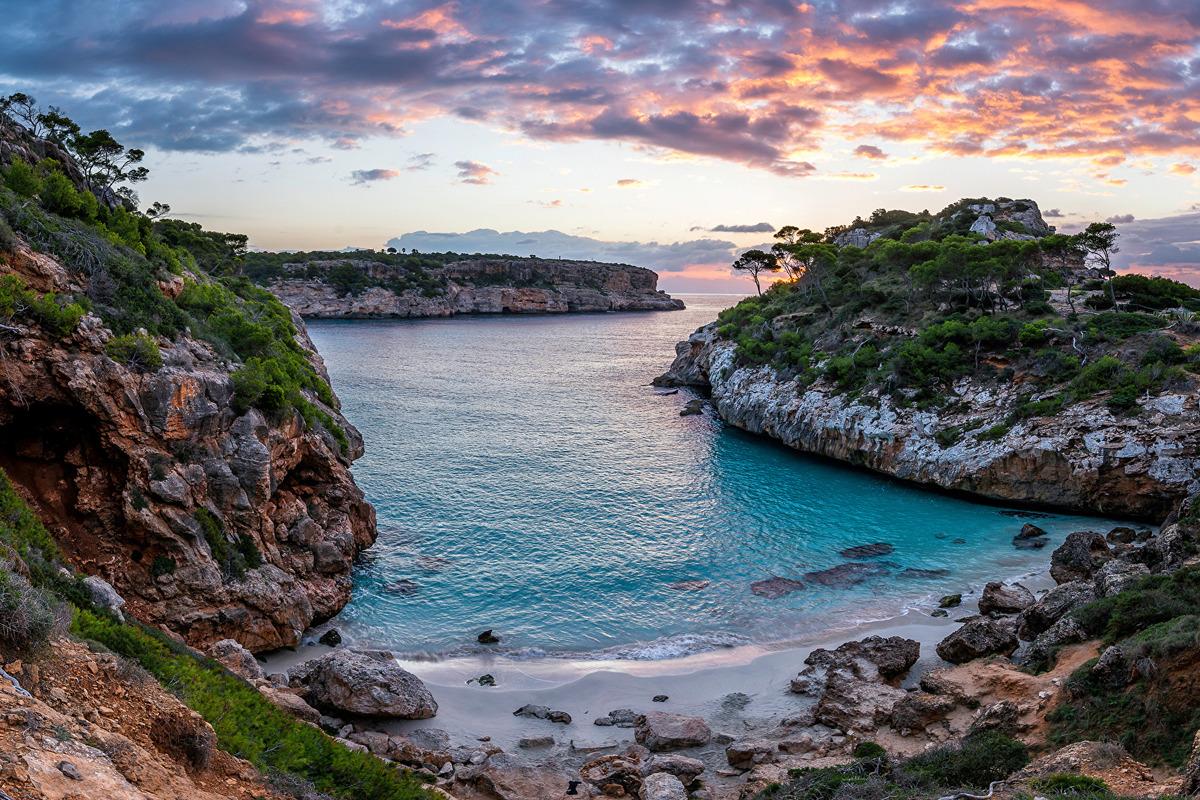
{"x":528,"y":479}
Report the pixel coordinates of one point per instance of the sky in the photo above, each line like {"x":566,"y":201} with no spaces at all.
{"x":671,"y":134}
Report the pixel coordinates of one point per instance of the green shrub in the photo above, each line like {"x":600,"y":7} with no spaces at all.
{"x":974,"y":763}
{"x":162,"y":565}
{"x":246,"y":724}
{"x":21,"y":178}
{"x":54,"y":313}
{"x":1155,"y":293}
{"x":135,"y":350}
{"x":234,"y":556}
{"x":59,"y":196}
{"x":1068,"y":784}
{"x":27,"y":615}
{"x":1115,"y":326}
{"x":869,"y":750}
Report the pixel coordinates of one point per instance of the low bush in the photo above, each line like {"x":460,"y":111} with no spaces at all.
{"x":56,"y":314}
{"x":233,"y":556}
{"x":246,"y":724}
{"x":27,"y":615}
{"x":1069,"y":784}
{"x":135,"y":350}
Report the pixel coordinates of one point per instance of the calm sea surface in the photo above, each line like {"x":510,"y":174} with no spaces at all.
{"x":528,"y":479}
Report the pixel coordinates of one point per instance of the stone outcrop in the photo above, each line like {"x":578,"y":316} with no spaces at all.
{"x":1085,"y":457}
{"x":368,"y":684}
{"x":479,"y":286}
{"x":660,"y":731}
{"x":978,"y":638}
{"x":135,"y":472}
{"x":1001,"y":598}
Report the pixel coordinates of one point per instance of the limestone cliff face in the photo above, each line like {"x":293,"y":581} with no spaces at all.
{"x":1083,"y":458}
{"x":126,"y":467}
{"x":486,"y":286}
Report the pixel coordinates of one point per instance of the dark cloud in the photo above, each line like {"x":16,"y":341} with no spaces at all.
{"x":870,"y":151}
{"x":703,"y":77}
{"x":1120,"y":219}
{"x":1053,"y":213}
{"x":474,"y":172}
{"x":420,"y":161}
{"x":365,"y":176}
{"x":556,"y":244}
{"x":758,"y":227}
{"x":626,"y":183}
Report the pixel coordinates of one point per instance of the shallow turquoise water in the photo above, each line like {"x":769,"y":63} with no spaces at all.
{"x":528,"y":479}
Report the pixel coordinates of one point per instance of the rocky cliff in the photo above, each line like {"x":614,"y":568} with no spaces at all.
{"x":146,"y":476}
{"x":1085,"y":458}
{"x":482,"y":285}
{"x":969,"y":366}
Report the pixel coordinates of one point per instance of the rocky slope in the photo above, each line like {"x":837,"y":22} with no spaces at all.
{"x":474,"y":286}
{"x":127,"y":467}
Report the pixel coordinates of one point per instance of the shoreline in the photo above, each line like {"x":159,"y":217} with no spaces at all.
{"x":740,"y":691}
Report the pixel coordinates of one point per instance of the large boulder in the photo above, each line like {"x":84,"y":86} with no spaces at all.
{"x":1117,"y":576}
{"x":851,"y":704}
{"x":237,"y":659}
{"x":682,"y":767}
{"x":746,"y":753}
{"x":978,"y":638}
{"x":370,"y":684}
{"x":619,"y":769}
{"x":1053,"y":606}
{"x":872,"y":658}
{"x":662,"y":786}
{"x":916,"y":711}
{"x":1000,"y":598}
{"x":660,"y":731}
{"x":1079,"y":556}
{"x":1062,"y":633}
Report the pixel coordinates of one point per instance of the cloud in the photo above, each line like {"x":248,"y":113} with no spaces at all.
{"x":1053,"y":213}
{"x":420,"y":161}
{"x":661,"y":257}
{"x":1168,"y":246}
{"x":1120,"y":219}
{"x":474,"y":172}
{"x":1183,"y":169}
{"x":761,"y":83}
{"x":365,"y":176}
{"x":626,"y":183}
{"x":757,"y":227}
{"x":870,"y":151}
{"x":923,"y":187}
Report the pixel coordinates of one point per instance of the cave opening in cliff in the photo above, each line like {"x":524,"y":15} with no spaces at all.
{"x":54,"y":453}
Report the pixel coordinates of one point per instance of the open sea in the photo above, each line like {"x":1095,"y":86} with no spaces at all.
{"x":528,"y":479}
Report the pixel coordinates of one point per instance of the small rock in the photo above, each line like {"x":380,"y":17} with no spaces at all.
{"x":950,"y":601}
{"x":693,"y":407}
{"x":1117,"y":576}
{"x":70,"y":770}
{"x":543,"y":712}
{"x":689,"y":586}
{"x":1121,"y":534}
{"x":939,"y":612}
{"x":487,"y":637}
{"x":331,"y":638}
{"x":621,"y":718}
{"x":920,"y":573}
{"x":916,"y":711}
{"x":868,"y":550}
{"x":662,"y":786}
{"x":1030,"y":531}
{"x":585,"y":746}
{"x":484,"y":680}
{"x":1054,"y":605}
{"x":659,"y":698}
{"x":236,"y":659}
{"x":531,"y":742}
{"x":749,"y":753}
{"x":1001,"y":716}
{"x":681,"y":766}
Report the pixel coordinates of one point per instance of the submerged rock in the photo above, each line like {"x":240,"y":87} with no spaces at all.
{"x":369,"y":684}
{"x":843,"y":576}
{"x":868,"y":550}
{"x":775,"y":587}
{"x":487,"y":637}
{"x":692,"y":408}
{"x":543,"y":712}
{"x":950,"y":601}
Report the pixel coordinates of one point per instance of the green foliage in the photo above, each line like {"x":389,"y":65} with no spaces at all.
{"x":1153,"y":599}
{"x":27,"y":614}
{"x":1068,"y":784}
{"x":348,"y":279}
{"x":1115,"y":326}
{"x":213,"y":252}
{"x":22,"y":178}
{"x":54,"y":313}
{"x":971,"y":764}
{"x":1125,"y":385}
{"x":1141,"y":291}
{"x":136,"y":350}
{"x":233,"y":556}
{"x":162,"y":565}
{"x":246,"y":724}
{"x":59,"y":196}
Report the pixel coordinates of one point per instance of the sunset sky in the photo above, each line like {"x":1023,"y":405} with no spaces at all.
{"x":665,"y":133}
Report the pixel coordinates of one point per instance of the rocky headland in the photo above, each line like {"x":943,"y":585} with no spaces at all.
{"x":1040,"y":383}
{"x":370,"y":286}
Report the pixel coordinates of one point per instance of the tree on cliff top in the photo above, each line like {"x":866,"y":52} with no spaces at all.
{"x":755,"y":263}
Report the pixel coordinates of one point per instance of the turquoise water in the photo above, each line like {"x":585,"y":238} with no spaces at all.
{"x":528,"y":479}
